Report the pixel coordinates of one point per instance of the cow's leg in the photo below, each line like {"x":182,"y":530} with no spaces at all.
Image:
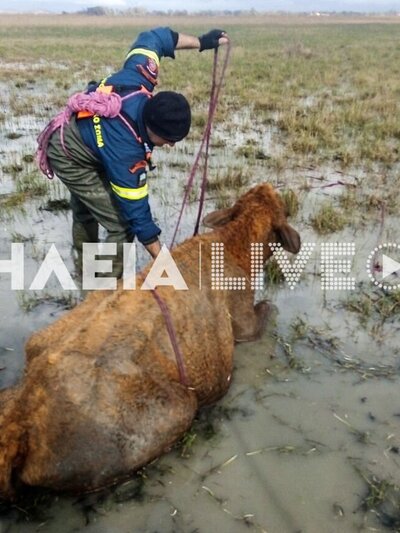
{"x":248,"y":320}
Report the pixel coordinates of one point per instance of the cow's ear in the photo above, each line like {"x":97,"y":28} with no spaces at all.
{"x":219,"y":218}
{"x":289,"y":238}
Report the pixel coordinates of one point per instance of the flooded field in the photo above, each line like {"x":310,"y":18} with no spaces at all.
{"x":308,"y":437}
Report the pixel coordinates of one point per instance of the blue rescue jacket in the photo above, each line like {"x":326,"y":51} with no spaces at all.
{"x":123,"y":156}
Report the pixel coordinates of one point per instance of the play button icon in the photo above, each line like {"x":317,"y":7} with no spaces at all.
{"x":389,"y":266}
{"x":382,"y":269}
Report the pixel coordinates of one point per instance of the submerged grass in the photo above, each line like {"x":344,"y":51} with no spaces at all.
{"x":328,"y":219}
{"x":206,"y":426}
{"x":374,"y":305}
{"x":58,"y":204}
{"x":329,"y":346}
{"x":28,"y":301}
{"x":382,"y":498}
{"x":34,"y":505}
{"x":323,"y":342}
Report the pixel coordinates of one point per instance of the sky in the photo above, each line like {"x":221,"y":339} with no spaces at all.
{"x":196,"y":5}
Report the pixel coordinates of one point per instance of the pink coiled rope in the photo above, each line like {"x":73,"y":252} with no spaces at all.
{"x":96,"y":102}
{"x":99,"y":103}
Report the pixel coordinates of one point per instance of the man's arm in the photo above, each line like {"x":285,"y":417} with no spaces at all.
{"x":154,"y":248}
{"x":210,"y":40}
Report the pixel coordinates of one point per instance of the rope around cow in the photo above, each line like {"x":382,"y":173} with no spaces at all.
{"x":205,"y":142}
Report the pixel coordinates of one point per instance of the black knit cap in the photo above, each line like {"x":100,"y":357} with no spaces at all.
{"x":168,"y":115}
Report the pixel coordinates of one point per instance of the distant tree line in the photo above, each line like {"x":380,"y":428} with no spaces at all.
{"x":140,"y":11}
{"x":101,"y":11}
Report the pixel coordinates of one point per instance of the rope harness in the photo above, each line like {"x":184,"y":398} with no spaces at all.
{"x":204,"y":147}
{"x":173,"y":338}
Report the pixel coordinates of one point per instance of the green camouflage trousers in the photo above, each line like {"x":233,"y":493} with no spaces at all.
{"x":92,"y":200}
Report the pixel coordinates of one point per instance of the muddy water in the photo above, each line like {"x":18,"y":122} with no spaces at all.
{"x":311,"y":416}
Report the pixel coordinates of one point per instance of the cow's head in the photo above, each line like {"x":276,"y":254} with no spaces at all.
{"x":259,"y":215}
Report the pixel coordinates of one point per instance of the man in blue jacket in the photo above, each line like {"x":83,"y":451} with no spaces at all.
{"x":103,"y":161}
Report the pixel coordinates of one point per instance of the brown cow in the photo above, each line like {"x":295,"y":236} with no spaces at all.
{"x":102,"y":394}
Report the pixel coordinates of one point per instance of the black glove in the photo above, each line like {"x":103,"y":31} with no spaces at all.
{"x":209,"y":40}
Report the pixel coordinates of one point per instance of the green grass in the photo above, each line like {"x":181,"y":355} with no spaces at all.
{"x":331,"y":90}
{"x":230,"y":179}
{"x":325,"y":93}
{"x":273,"y":273}
{"x":291,"y":202}
{"x":32,"y":184}
{"x":328,"y":219}
{"x":250,"y":151}
{"x":27,"y":186}
{"x":10,"y":201}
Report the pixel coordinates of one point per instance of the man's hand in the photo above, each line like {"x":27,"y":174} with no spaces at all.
{"x":213,"y":39}
{"x":154,"y":248}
